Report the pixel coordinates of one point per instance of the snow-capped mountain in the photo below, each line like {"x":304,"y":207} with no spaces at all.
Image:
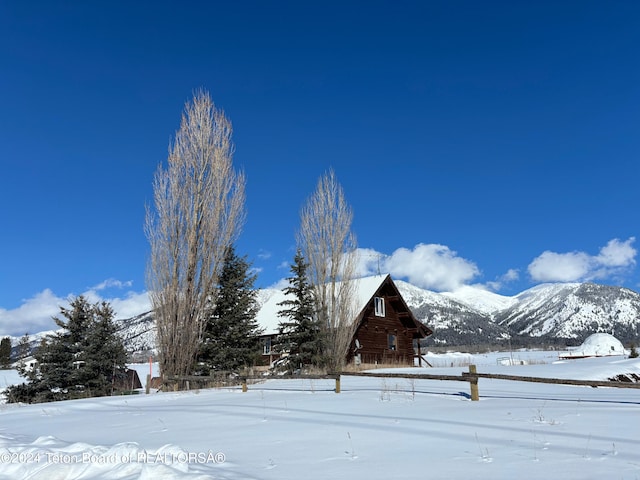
{"x":574,"y":310}
{"x":480,"y":299}
{"x":456,"y":320}
{"x":560,"y":313}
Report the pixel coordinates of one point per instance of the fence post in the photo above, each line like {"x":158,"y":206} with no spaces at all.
{"x":244,"y":385}
{"x":475,"y":396}
{"x":148,"y":386}
{"x":338,"y":383}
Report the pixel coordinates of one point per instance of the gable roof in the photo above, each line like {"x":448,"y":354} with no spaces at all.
{"x":364,"y":289}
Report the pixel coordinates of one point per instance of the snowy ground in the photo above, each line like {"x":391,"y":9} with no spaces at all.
{"x":376,"y":428}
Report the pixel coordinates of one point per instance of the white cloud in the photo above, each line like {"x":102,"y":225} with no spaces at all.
{"x":612,"y":260}
{"x":617,"y":254}
{"x":264,"y":255}
{"x":431,"y":266}
{"x":111,"y":283}
{"x":434,"y":267}
{"x":559,"y":267}
{"x":35,"y":314}
{"x":512,"y":275}
{"x":368,"y":262}
{"x":130,"y":306}
{"x":280,"y":284}
{"x":255,"y":270}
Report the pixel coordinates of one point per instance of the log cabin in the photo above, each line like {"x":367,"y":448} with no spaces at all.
{"x":387,"y":332}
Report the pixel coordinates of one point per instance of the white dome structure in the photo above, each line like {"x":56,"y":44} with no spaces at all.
{"x":597,"y":345}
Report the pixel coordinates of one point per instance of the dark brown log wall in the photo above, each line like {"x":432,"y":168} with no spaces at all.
{"x":373,"y":335}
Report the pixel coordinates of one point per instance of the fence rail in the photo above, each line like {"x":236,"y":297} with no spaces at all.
{"x":417,"y":376}
{"x":561,"y":381}
{"x":472,"y":377}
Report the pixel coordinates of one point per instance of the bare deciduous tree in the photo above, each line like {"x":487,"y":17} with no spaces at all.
{"x":199,"y":212}
{"x":329,"y":246}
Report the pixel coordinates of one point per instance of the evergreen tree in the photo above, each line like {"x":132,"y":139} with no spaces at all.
{"x":105,"y":355}
{"x":82,"y":359}
{"x":24,"y":347}
{"x":5,"y":352}
{"x":231,"y":333}
{"x":300,"y":335}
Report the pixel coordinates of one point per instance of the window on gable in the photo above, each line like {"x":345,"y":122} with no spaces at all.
{"x":392,"y":341}
{"x":378,"y":304}
{"x":266,"y":346}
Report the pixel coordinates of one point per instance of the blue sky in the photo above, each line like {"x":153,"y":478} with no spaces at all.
{"x":487,"y":143}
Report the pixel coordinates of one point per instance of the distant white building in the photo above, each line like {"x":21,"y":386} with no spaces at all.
{"x":596,"y":345}
{"x":29,"y":363}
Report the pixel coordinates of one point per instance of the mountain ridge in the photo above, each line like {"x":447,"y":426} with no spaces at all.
{"x":550,"y":313}
{"x":545,"y":313}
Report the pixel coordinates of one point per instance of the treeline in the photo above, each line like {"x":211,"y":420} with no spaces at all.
{"x":87,"y":357}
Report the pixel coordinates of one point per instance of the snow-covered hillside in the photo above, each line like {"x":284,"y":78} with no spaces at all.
{"x":574,"y":310}
{"x":139,"y":335}
{"x":481,"y":300}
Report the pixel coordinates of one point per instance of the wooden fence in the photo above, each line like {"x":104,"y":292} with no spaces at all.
{"x":472,"y":377}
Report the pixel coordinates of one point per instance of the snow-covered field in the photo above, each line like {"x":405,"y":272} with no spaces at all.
{"x":375,"y":428}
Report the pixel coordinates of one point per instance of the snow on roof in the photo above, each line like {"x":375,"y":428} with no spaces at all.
{"x":269,"y":320}
{"x":597,"y":345}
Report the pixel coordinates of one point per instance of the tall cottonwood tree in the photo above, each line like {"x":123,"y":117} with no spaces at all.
{"x":199,"y":212}
{"x":329,"y":247}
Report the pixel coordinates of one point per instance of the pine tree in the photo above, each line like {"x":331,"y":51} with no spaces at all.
{"x":24,"y":347}
{"x":81,"y":360}
{"x":300,"y":335}
{"x":231,"y":333}
{"x":104,"y":355}
{"x":5,"y":352}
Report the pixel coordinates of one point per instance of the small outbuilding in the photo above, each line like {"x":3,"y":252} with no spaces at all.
{"x":127,"y":380}
{"x":596,"y":345}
